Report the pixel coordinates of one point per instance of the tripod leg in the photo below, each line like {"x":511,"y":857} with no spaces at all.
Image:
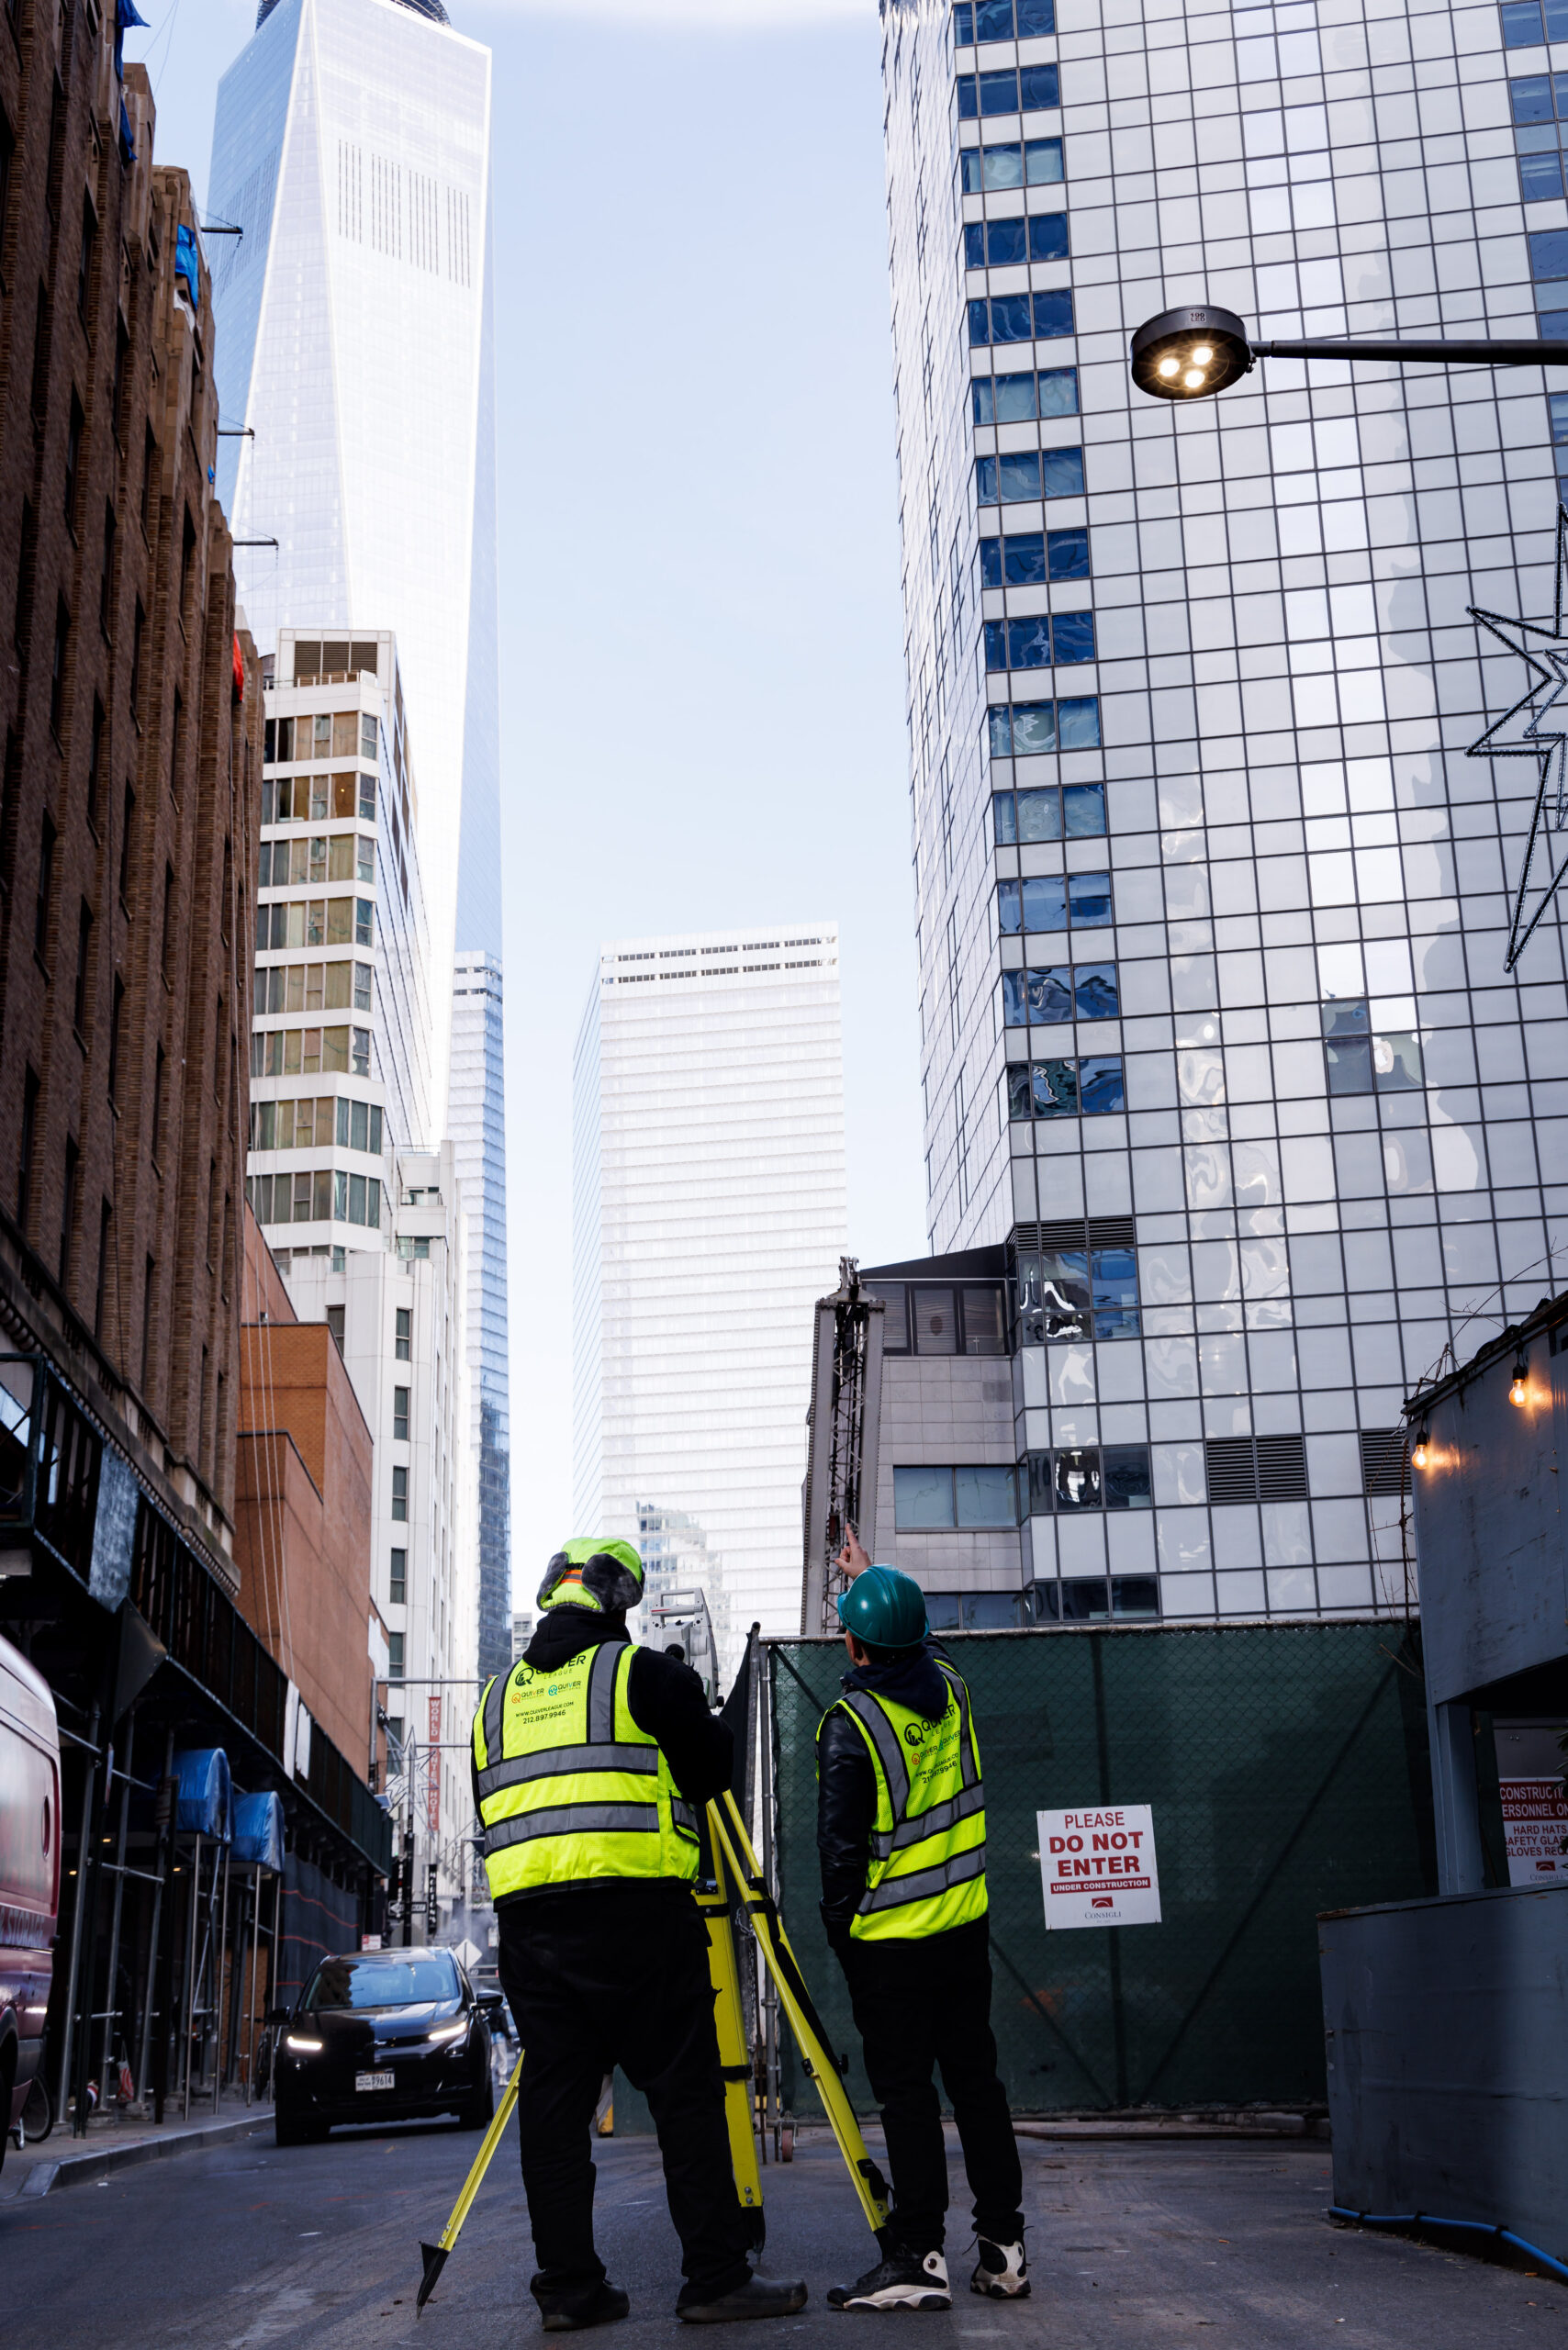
{"x":718,"y":1913}
{"x":435,"y":2254}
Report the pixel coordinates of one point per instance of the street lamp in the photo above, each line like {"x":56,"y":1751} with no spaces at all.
{"x":1192,"y":354}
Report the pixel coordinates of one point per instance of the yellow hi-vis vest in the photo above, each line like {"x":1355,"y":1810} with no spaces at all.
{"x":570,"y":1789}
{"x":927,"y":1868}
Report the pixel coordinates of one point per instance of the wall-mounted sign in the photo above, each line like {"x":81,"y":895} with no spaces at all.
{"x":1098,"y":1866}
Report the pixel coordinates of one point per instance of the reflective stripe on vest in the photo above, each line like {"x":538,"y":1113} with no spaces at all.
{"x":927,"y":1867}
{"x":570,"y":1788}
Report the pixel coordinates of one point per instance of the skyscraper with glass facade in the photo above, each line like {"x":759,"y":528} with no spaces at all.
{"x":355,"y":364}
{"x":707,"y":1214}
{"x":1223,"y":1067}
{"x":476,"y":1114}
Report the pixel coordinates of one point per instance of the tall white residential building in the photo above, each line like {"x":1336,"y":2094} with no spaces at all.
{"x":476,"y":1114}
{"x":1221,"y":1061}
{"x":355,"y":362}
{"x":707,"y":1214}
{"x":363,"y":1210}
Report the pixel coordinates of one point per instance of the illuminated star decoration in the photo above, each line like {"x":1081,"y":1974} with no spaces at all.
{"x":1541,"y":735}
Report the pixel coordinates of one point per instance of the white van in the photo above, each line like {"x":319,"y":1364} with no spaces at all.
{"x":29,"y":1875}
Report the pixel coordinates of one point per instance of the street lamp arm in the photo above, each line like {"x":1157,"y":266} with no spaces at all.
{"x":1432,"y":354}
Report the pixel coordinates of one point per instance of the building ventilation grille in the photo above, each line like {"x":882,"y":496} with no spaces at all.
{"x":1256,"y":1469}
{"x":1100,"y":1232}
{"x":1384,"y":1467}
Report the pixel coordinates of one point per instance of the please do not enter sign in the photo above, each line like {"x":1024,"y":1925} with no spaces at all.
{"x":1098,"y":1866}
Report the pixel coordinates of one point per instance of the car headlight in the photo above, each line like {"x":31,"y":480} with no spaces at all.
{"x":450,"y":2031}
{"x":301,"y":2046}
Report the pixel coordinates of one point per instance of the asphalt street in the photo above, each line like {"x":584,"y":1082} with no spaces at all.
{"x":1142,"y":2244}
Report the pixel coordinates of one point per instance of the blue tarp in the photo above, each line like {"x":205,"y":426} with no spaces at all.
{"x":207,"y":1795}
{"x":258,"y":1829}
{"x":185,"y":263}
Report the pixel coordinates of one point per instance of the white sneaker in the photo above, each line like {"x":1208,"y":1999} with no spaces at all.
{"x":1002,"y":2273}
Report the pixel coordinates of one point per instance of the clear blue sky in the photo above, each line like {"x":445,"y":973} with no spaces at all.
{"x":700,"y":653}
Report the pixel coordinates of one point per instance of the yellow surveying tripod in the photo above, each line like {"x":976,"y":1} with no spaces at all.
{"x":736,"y":1879}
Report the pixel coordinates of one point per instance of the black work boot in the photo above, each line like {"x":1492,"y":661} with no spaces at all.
{"x":900,"y":2280}
{"x":602,"y":2307}
{"x":758,"y":2297}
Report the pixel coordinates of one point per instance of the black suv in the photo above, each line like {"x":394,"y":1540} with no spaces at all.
{"x":383,"y":2036}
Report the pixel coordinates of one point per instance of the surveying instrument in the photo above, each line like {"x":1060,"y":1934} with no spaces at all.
{"x":735,"y":1884}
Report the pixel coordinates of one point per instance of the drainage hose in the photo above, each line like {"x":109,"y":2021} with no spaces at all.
{"x":1475,"y":2227}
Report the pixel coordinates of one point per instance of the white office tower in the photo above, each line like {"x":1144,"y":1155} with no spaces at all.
{"x":364,"y":1212}
{"x":708,"y":1213}
{"x":476,"y":1113}
{"x":1220,"y":1047}
{"x":355,"y":362}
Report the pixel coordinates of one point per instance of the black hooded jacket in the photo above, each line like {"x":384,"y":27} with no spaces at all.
{"x":846,"y":1783}
{"x":666,"y":1702}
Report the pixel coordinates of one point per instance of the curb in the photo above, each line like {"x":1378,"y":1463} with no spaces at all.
{"x":1275,"y":2128}
{"x":80,"y":2170}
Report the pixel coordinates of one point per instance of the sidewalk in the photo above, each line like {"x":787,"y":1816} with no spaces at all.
{"x":116,"y":2141}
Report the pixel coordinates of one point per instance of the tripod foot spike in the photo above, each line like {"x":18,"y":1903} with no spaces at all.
{"x":435,"y":2261}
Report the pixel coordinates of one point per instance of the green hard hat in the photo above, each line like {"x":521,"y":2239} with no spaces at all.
{"x":884,"y":1609}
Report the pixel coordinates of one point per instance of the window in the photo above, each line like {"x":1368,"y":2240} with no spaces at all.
{"x":1030,"y":162}
{"x":1005,"y":244}
{"x":362,"y":1000}
{"x":176,"y":729}
{"x":1021,"y":318}
{"x":1557,"y":408}
{"x":1081,"y":992}
{"x":1053,"y":902}
{"x":970,"y":1497}
{"x":157,"y":1104}
{"x":106,"y":1219}
{"x":27,"y":1145}
{"x":167,"y":948}
{"x":1072,"y":811}
{"x":138,"y":629}
{"x":58,"y":667}
{"x":1039,"y":640}
{"x":45,"y":891}
{"x":84,"y":258}
{"x":127,"y":828}
{"x":1362,"y":1060}
{"x":107,"y":577}
{"x":1024,"y":90}
{"x":1073,"y":1292}
{"x":1065,"y":1088}
{"x":1083,"y":1599}
{"x":95,"y":762}
{"x":1019,"y":399}
{"x":399,"y":1416}
{"x":1026,"y":729}
{"x":363,"y":921}
{"x":361,"y":1052}
{"x":187,"y":559}
{"x":84,"y":959}
{"x":400,"y":1496}
{"x":397,"y":1580}
{"x":405,"y":1333}
{"x":980,"y":20}
{"x":1023,"y":477}
{"x":1087,"y":1477}
{"x":116,"y":1015}
{"x":1030,"y":558}
{"x":74,"y":431}
{"x":367,"y":799}
{"x":68,"y":1209}
{"x":336,"y":1316}
{"x":931,"y":1320}
{"x":367,"y":735}
{"x":395,"y":1653}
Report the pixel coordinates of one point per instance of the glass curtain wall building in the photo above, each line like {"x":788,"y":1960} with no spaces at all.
{"x":708,"y":1216}
{"x":476,"y":1113}
{"x":1212,"y":906}
{"x":354,"y":355}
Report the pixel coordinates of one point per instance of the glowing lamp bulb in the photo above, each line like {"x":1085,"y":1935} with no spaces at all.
{"x":1418,"y":1456}
{"x":1518,"y":1390}
{"x":1193,"y":379}
{"x":1202,"y":356}
{"x":1169,"y":367}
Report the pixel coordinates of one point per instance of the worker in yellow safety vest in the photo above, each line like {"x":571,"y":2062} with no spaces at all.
{"x":592,"y":1758}
{"x":901,"y":1834}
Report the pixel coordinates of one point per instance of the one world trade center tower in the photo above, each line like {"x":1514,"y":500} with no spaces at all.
{"x":355,"y":365}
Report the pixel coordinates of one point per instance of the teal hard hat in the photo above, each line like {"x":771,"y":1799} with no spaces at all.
{"x":884,"y":1609}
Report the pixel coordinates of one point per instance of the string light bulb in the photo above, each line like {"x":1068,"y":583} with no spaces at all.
{"x":1520,"y":1391}
{"x":1418,"y":1454}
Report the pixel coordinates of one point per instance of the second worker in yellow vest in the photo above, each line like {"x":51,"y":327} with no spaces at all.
{"x":591,"y":1758}
{"x":901,"y":1833}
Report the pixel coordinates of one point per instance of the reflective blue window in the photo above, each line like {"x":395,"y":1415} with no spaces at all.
{"x":1005,"y":818}
{"x":964,"y":25}
{"x":1094,"y":990}
{"x":1053,"y":314}
{"x":1079,"y":722}
{"x":1039,"y":86}
{"x":974,"y":245}
{"x":1554,"y":324}
{"x":1029,"y":642}
{"x":1113,"y":1280}
{"x":1549,"y":253}
{"x":1045,"y":901}
{"x":1049,"y":995}
{"x":1014,"y":1001}
{"x":1521,"y":23}
{"x":1006,"y":242}
{"x":1072,"y":636}
{"x":1017,"y":1099}
{"x":1089,"y":900}
{"x":996,"y":644}
{"x":1014,"y":399}
{"x":1009,"y":909}
{"x":1541,"y":177}
{"x":1067,"y":555}
{"x":1062,"y":473}
{"x":1100,"y":1082}
{"x":1053,"y":1087}
{"x":1530,"y":97}
{"x":1085,"y":804}
{"x":1557,"y":407}
{"x":1048,"y":236}
{"x":1021,"y":730}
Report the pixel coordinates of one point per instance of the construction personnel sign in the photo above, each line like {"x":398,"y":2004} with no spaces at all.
{"x":1098,"y":1866}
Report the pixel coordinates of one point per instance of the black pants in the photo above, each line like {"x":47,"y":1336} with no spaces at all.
{"x":917,"y":2005}
{"x":617,"y":1974}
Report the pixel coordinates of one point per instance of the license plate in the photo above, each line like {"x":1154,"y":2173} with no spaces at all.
{"x":375,"y":2080}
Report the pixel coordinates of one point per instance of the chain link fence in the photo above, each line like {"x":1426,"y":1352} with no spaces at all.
{"x":1287,"y":1768}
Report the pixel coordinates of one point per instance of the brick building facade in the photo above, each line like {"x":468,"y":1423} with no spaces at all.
{"x":130,"y":701}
